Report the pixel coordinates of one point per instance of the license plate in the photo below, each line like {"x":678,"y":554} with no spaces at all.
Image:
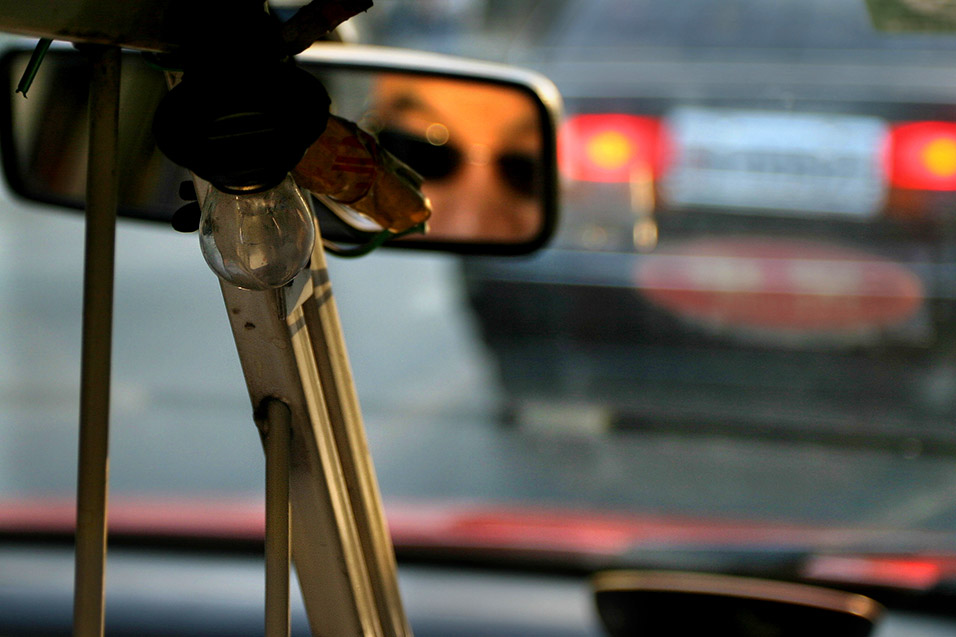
{"x":792,"y":164}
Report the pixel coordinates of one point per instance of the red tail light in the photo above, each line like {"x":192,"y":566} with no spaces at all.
{"x":922,"y":156}
{"x":611,"y":147}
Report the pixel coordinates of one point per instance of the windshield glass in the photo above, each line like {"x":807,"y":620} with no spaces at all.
{"x":763,"y":27}
{"x":746,"y":318}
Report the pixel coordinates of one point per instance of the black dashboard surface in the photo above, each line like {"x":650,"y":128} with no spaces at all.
{"x":161,"y":593}
{"x":156,"y":593}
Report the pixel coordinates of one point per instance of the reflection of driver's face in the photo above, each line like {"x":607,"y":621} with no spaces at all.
{"x":478,"y":148}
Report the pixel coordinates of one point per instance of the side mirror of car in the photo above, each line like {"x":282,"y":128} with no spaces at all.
{"x":481,"y":135}
{"x":676,"y":603}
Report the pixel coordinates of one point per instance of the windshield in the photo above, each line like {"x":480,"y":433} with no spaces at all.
{"x":744,"y":324}
{"x":766,"y":28}
{"x":745,"y":313}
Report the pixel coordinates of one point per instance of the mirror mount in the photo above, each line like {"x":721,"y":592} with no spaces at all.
{"x":242,"y":133}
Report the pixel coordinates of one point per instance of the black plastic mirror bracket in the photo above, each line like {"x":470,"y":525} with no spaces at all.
{"x":243,"y":135}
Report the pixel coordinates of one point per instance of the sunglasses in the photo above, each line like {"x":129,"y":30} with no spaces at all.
{"x":521,"y":172}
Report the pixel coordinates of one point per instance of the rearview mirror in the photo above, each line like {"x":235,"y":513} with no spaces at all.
{"x":482,"y":136}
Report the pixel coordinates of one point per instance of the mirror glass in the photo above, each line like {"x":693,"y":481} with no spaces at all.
{"x":481,"y":146}
{"x":45,"y":136}
{"x":478,"y":146}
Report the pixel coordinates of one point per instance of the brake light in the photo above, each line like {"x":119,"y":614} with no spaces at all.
{"x":922,"y":156}
{"x":611,"y":147}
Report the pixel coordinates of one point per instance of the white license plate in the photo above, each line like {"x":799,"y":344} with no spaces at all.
{"x":792,"y":164}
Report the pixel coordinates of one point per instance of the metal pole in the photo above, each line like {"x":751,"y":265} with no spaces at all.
{"x":278,"y":430}
{"x":344,"y":558}
{"x":93,"y":470}
{"x":338,"y":388}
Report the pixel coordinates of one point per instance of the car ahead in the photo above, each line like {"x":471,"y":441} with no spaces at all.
{"x":497,"y":530}
{"x":757,"y":228}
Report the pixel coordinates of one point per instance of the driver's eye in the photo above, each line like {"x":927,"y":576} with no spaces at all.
{"x":427,"y":159}
{"x":522,"y":172}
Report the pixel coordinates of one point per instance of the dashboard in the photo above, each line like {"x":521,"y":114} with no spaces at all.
{"x":159,"y":593}
{"x":155,"y":593}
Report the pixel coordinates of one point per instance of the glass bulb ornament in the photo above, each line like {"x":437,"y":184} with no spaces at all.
{"x":257,"y":241}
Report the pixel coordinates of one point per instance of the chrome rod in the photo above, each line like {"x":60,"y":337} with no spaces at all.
{"x":93,"y":462}
{"x":278,"y":423}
